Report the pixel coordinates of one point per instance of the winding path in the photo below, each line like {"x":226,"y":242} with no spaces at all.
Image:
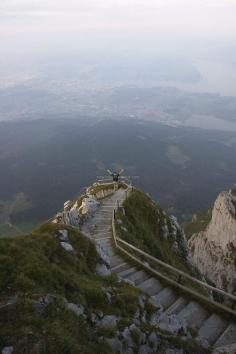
{"x":210,"y":327}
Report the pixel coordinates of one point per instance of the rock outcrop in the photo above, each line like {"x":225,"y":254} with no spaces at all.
{"x":213,"y":251}
{"x":75,"y":212}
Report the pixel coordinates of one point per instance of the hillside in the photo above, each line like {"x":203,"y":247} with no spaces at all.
{"x":148,"y":227}
{"x":54,"y":299}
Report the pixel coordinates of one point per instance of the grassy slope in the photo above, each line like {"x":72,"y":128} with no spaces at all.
{"x":144,"y":221}
{"x":142,"y":226}
{"x":35,"y":265}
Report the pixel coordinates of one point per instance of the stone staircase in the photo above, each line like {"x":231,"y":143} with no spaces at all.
{"x":210,"y":328}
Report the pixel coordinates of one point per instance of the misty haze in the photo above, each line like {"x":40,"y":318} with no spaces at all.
{"x":117,"y":176}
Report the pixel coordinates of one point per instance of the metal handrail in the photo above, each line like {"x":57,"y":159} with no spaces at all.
{"x":173,"y":269}
{"x":179,"y":272}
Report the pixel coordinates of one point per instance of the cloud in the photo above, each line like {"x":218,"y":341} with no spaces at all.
{"x":69,"y":6}
{"x":184,"y":17}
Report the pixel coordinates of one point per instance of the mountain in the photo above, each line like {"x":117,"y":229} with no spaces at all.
{"x":70,"y":287}
{"x":213,"y":251}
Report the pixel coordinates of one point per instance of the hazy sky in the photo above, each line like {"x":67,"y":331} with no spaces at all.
{"x":208,"y":18}
{"x":38,"y":33}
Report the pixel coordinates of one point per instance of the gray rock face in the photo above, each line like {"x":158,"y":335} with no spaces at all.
{"x":154,"y":340}
{"x":104,"y":256}
{"x":174,"y":351}
{"x":63,"y":235}
{"x":108,"y":321}
{"x":136,"y":318}
{"x":67,"y":246}
{"x":7,"y":350}
{"x":89,"y":206}
{"x":94,"y":318}
{"x":140,"y":336}
{"x":115,"y":344}
{"x":102,"y":269}
{"x":145,"y":349}
{"x":165,"y":231}
{"x":77,"y":309}
{"x":43,"y":302}
{"x":141,"y":300}
{"x":213,"y":251}
{"x":127,"y":335}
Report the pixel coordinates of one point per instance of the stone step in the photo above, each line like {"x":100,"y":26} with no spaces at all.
{"x":212,"y":328}
{"x":127,"y":272}
{"x":194,"y":314}
{"x":144,"y":276}
{"x":106,"y":241}
{"x":115,"y":260}
{"x":120,"y":267}
{"x":104,"y":212}
{"x":101,"y":234}
{"x":166,"y":297}
{"x":109,"y":251}
{"x":102,"y":237}
{"x":151,"y":286}
{"x":102,"y":227}
{"x":227,"y":337}
{"x":107,"y":208}
{"x":105,"y":222}
{"x":98,"y":232}
{"x":177,"y":306}
{"x":137,"y":277}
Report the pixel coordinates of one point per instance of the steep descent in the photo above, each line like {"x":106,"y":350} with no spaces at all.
{"x":211,"y":329}
{"x":213,"y":251}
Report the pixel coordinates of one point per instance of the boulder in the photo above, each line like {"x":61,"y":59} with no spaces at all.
{"x":108,"y":321}
{"x":145,"y":349}
{"x":174,"y":351}
{"x":154,"y":340}
{"x":67,"y":246}
{"x":63,"y":235}
{"x":115,"y":344}
{"x":127,"y":335}
{"x":102,"y":269}
{"x":7,"y":350}
{"x":42,"y":303}
{"x":89,"y":206}
{"x":77,"y":309}
{"x":141,"y":300}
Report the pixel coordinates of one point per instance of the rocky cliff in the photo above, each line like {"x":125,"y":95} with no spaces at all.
{"x":213,"y":251}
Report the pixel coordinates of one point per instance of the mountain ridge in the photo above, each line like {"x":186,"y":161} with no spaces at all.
{"x":213,"y":250}
{"x":57,"y":289}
